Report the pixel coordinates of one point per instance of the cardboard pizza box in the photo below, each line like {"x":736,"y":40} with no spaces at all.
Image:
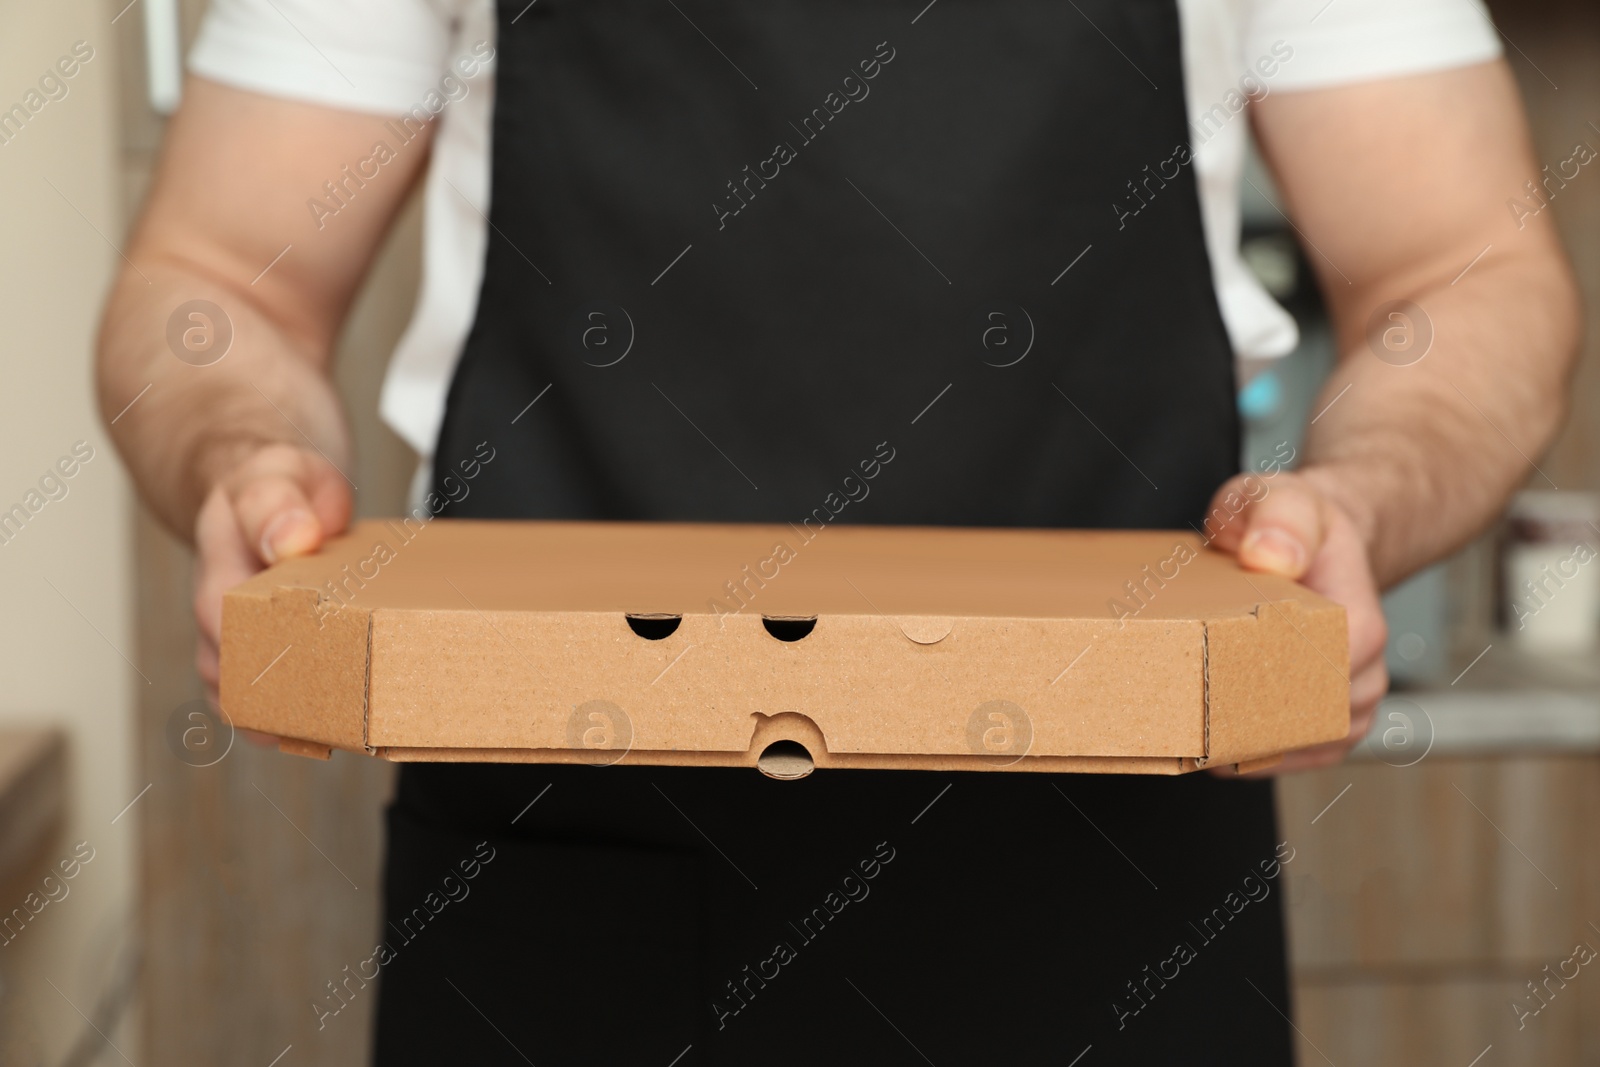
{"x":783,"y":647}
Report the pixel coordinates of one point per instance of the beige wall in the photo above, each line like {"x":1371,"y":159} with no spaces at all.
{"x":59,"y":647}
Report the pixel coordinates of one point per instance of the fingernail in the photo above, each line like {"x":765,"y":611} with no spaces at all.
{"x":1275,"y":551}
{"x":294,"y":533}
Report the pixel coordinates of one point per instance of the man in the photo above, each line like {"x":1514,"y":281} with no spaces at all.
{"x":741,"y":245}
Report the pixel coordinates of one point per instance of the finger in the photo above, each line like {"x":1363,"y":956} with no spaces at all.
{"x":1298,"y":760}
{"x":1342,"y":574}
{"x":237,"y":532}
{"x":1366,"y":692}
{"x":1314,"y":759}
{"x":272,"y":496}
{"x":1280,"y":529}
{"x":1304,"y":759}
{"x":222,"y":560}
{"x":331,"y":500}
{"x":207,"y":664}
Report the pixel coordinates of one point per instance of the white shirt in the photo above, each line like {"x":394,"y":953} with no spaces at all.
{"x":389,"y":56}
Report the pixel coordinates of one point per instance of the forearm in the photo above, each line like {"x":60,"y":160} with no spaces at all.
{"x":1424,"y":455}
{"x":1407,"y":189}
{"x":227,"y":221}
{"x":181,"y":427}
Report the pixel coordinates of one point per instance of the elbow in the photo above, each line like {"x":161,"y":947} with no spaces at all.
{"x":1566,"y":316}
{"x":109,"y":367}
{"x":1561,"y":312}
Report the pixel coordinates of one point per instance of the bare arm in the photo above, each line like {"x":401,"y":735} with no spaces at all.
{"x":1399,"y":186}
{"x":243,"y":455}
{"x":1396,"y":188}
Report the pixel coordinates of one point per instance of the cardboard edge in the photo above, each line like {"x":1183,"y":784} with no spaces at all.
{"x":309,"y":749}
{"x":366,"y":689}
{"x":1265,"y":697}
{"x":1205,"y":694}
{"x":298,"y":676}
{"x":1165,"y":765}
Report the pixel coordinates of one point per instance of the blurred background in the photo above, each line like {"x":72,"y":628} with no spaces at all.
{"x":176,"y":896}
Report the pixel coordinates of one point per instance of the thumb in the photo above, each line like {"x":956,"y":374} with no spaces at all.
{"x":1281,"y":527}
{"x":287,"y":502}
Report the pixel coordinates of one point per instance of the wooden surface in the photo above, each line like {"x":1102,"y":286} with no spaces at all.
{"x":1425,"y":897}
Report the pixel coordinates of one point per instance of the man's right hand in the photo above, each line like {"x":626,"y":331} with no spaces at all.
{"x":281,"y":502}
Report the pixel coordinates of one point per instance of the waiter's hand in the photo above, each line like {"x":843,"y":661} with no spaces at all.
{"x":282,"y":501}
{"x":1300,"y":531}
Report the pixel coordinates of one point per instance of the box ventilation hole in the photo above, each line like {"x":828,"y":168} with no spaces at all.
{"x":654,"y":627}
{"x":785,"y":761}
{"x":789,"y":629}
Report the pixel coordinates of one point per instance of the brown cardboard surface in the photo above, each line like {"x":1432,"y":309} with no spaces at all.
{"x":1137,"y":652}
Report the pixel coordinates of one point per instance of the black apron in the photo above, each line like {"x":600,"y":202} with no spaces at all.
{"x":740,"y":253}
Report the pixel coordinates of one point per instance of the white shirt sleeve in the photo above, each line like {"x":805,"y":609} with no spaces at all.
{"x":1337,"y":42}
{"x":381,"y":56}
{"x":387,"y":57}
{"x":1236,"y":47}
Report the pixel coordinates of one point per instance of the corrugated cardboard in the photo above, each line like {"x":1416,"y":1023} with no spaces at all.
{"x":785,"y":647}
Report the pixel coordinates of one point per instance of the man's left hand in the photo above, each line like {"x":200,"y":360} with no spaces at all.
{"x":1300,"y":531}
